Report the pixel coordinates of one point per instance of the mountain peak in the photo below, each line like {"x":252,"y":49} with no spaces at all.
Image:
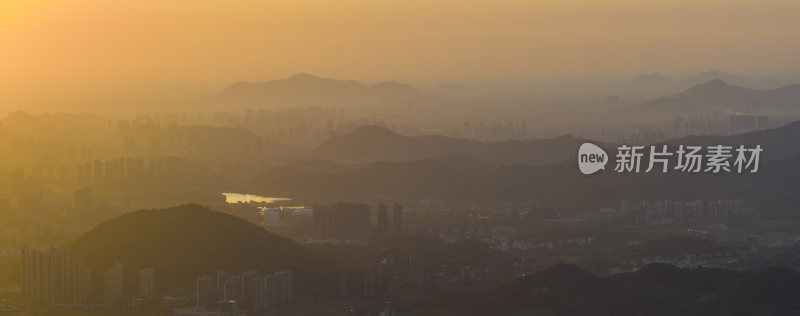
{"x":210,"y":234}
{"x":715,"y":72}
{"x":715,"y":83}
{"x":393,"y":84}
{"x":712,"y":90}
{"x":373,"y":130}
{"x":719,"y":95}
{"x":304,"y":76}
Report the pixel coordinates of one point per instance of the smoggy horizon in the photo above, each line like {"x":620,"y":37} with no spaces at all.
{"x":63,"y":55}
{"x":95,"y":42}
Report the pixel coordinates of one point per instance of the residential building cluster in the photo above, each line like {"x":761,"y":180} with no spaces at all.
{"x":352,"y":221}
{"x":395,"y":275}
{"x":252,"y":290}
{"x":674,"y":209}
{"x":128,"y":170}
{"x":52,"y":276}
{"x":720,"y":124}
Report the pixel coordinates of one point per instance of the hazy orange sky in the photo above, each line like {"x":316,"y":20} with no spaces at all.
{"x":91,"y":44}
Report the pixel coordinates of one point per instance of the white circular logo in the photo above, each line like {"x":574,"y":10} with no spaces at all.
{"x":591,"y":158}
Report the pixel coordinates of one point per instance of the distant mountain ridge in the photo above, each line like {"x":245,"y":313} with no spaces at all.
{"x":653,"y":78}
{"x":305,"y":90}
{"x":717,"y":95}
{"x":650,"y":86}
{"x":775,"y":184}
{"x":779,"y":143}
{"x":375,"y":143}
{"x":462,"y":177}
{"x":757,"y":83}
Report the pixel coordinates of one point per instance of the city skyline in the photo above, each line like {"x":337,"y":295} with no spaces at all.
{"x":399,"y":158}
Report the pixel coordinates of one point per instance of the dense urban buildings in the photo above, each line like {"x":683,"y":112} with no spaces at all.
{"x":82,"y":282}
{"x":49,"y":277}
{"x":147,"y":284}
{"x":398,"y":218}
{"x":113,"y":284}
{"x":343,"y":221}
{"x":399,"y":158}
{"x":383,"y":219}
{"x":252,"y":290}
{"x":53,"y":277}
{"x":38,"y":277}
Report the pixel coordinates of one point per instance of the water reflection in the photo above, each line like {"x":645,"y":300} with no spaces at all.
{"x":248,"y":198}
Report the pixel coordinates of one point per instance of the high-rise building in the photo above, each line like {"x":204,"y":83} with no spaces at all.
{"x":383,"y":219}
{"x":345,"y":221}
{"x":112,"y":284}
{"x":98,"y":172}
{"x":230,"y":307}
{"x":147,"y":284}
{"x":38,"y":278}
{"x":370,"y":287}
{"x":51,"y":277}
{"x":108,"y":171}
{"x":81,"y":282}
{"x":5,"y":207}
{"x":222,"y":278}
{"x":248,"y":287}
{"x":285,"y":286}
{"x":87,"y":172}
{"x":272,"y":292}
{"x":259,"y":294}
{"x":62,"y":275}
{"x":387,"y":309}
{"x":398,"y":218}
{"x":341,"y":282}
{"x":232,"y":290}
{"x":253,"y":290}
{"x":393,"y":286}
{"x":415,"y":266}
{"x":204,"y":291}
